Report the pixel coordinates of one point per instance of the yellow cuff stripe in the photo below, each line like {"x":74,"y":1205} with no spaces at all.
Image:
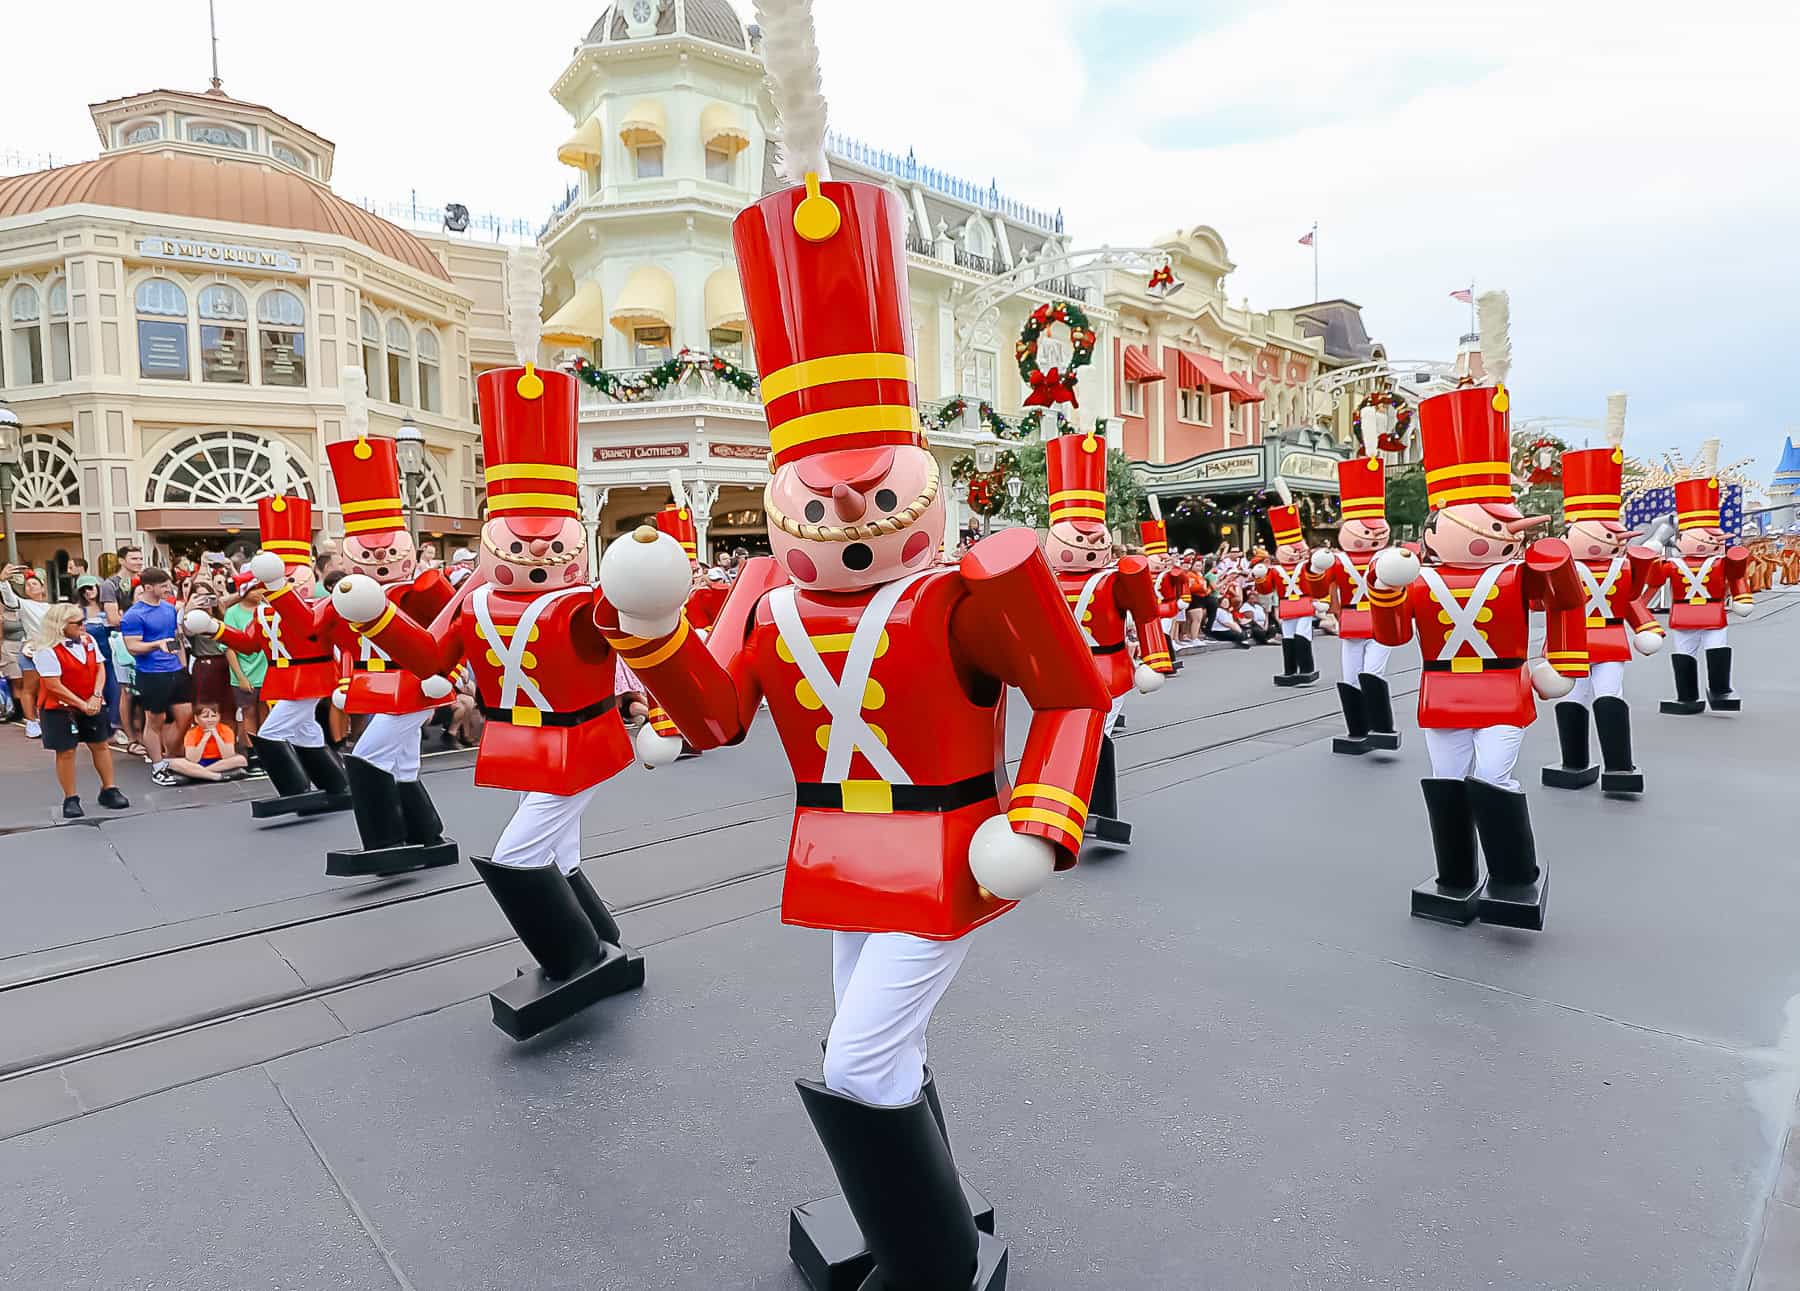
{"x":529,"y":471}
{"x":387,"y":617}
{"x":836,"y":422}
{"x":878,"y":365}
{"x":661,"y":652}
{"x":519,"y":501}
{"x":1044,"y":816}
{"x":1052,"y":792}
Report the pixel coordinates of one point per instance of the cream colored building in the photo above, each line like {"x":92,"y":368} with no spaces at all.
{"x":669,"y":129}
{"x":175,"y":315}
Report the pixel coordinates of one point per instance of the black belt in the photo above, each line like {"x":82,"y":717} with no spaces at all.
{"x":1114,"y":648}
{"x":905,"y":797}
{"x":578,"y":717}
{"x":374,"y":665}
{"x":291,"y":662}
{"x":1487,"y":665}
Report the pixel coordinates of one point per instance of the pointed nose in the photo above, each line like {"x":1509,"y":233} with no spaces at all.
{"x":539,"y":546}
{"x":848,"y":503}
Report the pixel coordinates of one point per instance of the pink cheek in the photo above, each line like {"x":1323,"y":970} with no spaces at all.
{"x":1067,"y":555}
{"x":1478,"y":547}
{"x":503,"y":575}
{"x":572,"y":573}
{"x":801,"y":567}
{"x":916,"y":546}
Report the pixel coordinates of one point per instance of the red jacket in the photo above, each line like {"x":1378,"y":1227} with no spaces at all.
{"x":1698,"y":588}
{"x":375,"y":684}
{"x":1290,"y":584}
{"x":890,"y":705}
{"x":1121,"y":590}
{"x":1613,"y":593}
{"x":1474,"y":648}
{"x":303,"y":661}
{"x":1346,"y":586}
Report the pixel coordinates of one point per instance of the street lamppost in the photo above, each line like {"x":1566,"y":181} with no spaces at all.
{"x":12,"y":454}
{"x":1014,"y":487}
{"x":986,"y":457}
{"x":409,"y":448}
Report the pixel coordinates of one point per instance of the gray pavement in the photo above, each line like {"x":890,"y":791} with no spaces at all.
{"x":1224,"y":1059}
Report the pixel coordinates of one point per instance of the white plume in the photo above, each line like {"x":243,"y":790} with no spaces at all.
{"x":1708,"y":465}
{"x":356,"y":402}
{"x":1155,"y":507}
{"x":1615,"y":419}
{"x":1374,"y":425}
{"x":278,"y":466}
{"x":525,"y":300}
{"x":1493,"y":311}
{"x":677,"y":490}
{"x":1283,"y":492}
{"x":791,"y":58}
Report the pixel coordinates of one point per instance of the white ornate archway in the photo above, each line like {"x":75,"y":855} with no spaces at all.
{"x":48,"y":477}
{"x":218,"y":468}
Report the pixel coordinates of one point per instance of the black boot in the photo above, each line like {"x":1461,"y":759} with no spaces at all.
{"x":1307,"y":671}
{"x":1356,"y":721}
{"x":573,"y":969}
{"x":375,"y":798}
{"x":1378,"y":708}
{"x":1450,"y":896}
{"x":1612,"y":719}
{"x":1577,"y":770}
{"x":1516,"y":886}
{"x":1289,"y":665}
{"x":1687,"y":699}
{"x":894,"y":1166}
{"x":326,"y":773}
{"x":594,"y":908}
{"x":424,"y":827}
{"x":1718,"y":681}
{"x":1103,"y":820}
{"x":282,"y":765}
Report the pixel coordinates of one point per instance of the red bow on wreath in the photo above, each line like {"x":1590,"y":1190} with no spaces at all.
{"x":1049,"y":388}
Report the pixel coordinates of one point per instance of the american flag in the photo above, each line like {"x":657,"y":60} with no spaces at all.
{"x":1644,"y":510}
{"x":1463,"y":294}
{"x":1308,"y":239}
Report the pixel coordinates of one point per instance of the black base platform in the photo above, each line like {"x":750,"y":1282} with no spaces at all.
{"x":1681,"y":708}
{"x":315,"y":803}
{"x":1622,"y":782}
{"x":1104,"y":829}
{"x":826,"y":1244}
{"x":404,"y":859}
{"x":1295,"y":678}
{"x":1386,"y":741}
{"x":1725,"y":704}
{"x":1514,"y":905}
{"x":532,"y":1002}
{"x":1433,"y":900}
{"x":1353,"y":745}
{"x":1561,"y":777}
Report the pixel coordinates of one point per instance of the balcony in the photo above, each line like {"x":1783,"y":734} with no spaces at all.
{"x":1062,"y":289}
{"x":980,"y":264}
{"x":695,"y":383}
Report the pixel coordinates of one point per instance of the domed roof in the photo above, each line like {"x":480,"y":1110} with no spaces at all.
{"x":713,"y":20}
{"x":213,"y":188}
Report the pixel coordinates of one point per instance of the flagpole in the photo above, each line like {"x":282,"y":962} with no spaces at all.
{"x":1471,"y":304}
{"x":1315,"y":246}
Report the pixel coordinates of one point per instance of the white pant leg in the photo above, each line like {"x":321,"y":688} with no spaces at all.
{"x":294,"y":722}
{"x":1350,"y":658}
{"x":845,"y":948}
{"x":1583,"y":693}
{"x":568,"y":842}
{"x":1691,"y":641}
{"x":1452,"y":751}
{"x":1375,"y":658}
{"x":391,"y":742}
{"x":537,"y":833}
{"x":1496,"y":753}
{"x":1606,"y":679}
{"x":1113,"y":714}
{"x":1297,"y":628}
{"x":876,"y":1051}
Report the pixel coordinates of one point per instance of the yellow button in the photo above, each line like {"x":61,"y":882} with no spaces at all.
{"x":493,"y":659}
{"x":1494,"y":593}
{"x":1444,"y":617}
{"x":529,"y":660}
{"x":874,"y":696}
{"x":823,"y":736}
{"x":808,"y":697}
{"x":1483,"y":614}
{"x":1482,"y":633}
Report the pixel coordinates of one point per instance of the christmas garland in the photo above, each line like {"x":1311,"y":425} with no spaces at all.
{"x":1057,"y":385}
{"x":629,"y":389}
{"x":1394,"y":439}
{"x":1031,"y":425}
{"x":952,"y":410}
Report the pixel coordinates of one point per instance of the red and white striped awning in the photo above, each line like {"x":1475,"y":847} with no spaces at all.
{"x":1138,"y":366}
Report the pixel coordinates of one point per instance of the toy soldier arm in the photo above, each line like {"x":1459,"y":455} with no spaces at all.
{"x":1643,"y":567}
{"x":1389,"y":616}
{"x":299,"y":616}
{"x":1737,"y":584}
{"x":245,"y":640}
{"x":1014,"y":625}
{"x":424,"y":652}
{"x":1134,"y":591}
{"x":1549,"y":579}
{"x":426,"y":596}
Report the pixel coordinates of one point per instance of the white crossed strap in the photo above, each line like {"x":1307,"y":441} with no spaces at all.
{"x":270,"y":622}
{"x":1290,"y":583}
{"x":1085,"y":600}
{"x":843,"y":698}
{"x":1463,"y":617}
{"x":1696,"y":578}
{"x":370,"y":651}
{"x":512,"y":653}
{"x":1359,"y":584}
{"x":1599,"y":591}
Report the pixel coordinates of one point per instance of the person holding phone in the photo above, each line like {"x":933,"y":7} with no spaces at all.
{"x":164,"y":688}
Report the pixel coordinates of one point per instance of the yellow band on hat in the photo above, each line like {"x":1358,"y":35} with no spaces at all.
{"x":530,"y":471}
{"x":1083,"y":495}
{"x":287,"y":548}
{"x":392,"y":520}
{"x":1076,"y":513}
{"x":1471,"y":493}
{"x":1466,"y":469}
{"x":1591,"y":500}
{"x":838,"y":422}
{"x":373,"y":504}
{"x":519,"y":501}
{"x":804,"y":375}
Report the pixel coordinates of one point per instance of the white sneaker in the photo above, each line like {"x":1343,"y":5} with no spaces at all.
{"x":33,"y":731}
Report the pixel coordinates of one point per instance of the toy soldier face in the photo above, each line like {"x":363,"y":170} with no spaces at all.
{"x":1596,"y":540}
{"x":385,"y":557}
{"x":855,"y":518}
{"x":1701,"y":542}
{"x":300,"y":578}
{"x":1470,"y":534}
{"x":533,"y":553}
{"x":1290,"y":553}
{"x":1070,"y":548}
{"x":1364,"y":535}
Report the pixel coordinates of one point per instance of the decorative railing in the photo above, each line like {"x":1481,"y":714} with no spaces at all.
{"x":658,"y":383}
{"x":986,"y":196}
{"x":979,"y":263}
{"x":560,"y":209}
{"x":437,"y":217}
{"x":1062,"y":288}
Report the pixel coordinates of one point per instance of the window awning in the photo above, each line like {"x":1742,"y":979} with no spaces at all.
{"x":719,"y":128}
{"x":1242,"y":391}
{"x":580,"y":320}
{"x":1138,"y":366}
{"x":643,"y":123}
{"x":724,"y":300}
{"x":582,"y":149}
{"x":647,"y":301}
{"x":1197,"y":370}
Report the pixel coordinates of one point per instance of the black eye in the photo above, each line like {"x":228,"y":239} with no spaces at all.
{"x":815,"y":511}
{"x":1497,"y":528}
{"x":885,"y":499}
{"x":556,"y":546}
{"x":518,"y":547}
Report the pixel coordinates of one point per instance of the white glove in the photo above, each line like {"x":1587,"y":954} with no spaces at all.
{"x":1258,"y":570}
{"x":358,"y":598}
{"x":1147,"y":679}
{"x":1395,"y":568}
{"x":1322,"y":560}
{"x":339,"y":697}
{"x":647,"y":579}
{"x":655,"y":750}
{"x":199,"y":623}
{"x":435,"y":687}
{"x":268,"y":569}
{"x":1011,"y":866}
{"x":1739,"y":607}
{"x":1647,"y":642}
{"x":1547,"y":681}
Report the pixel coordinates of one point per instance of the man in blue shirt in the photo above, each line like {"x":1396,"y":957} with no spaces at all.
{"x":165,"y":692}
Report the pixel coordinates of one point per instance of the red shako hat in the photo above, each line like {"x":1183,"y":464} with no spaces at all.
{"x":1467,"y":438}
{"x":366,"y":472}
{"x":528,"y":437}
{"x":1076,"y":467}
{"x":284,"y":523}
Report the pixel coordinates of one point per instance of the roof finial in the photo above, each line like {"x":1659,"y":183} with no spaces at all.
{"x":212,"y":24}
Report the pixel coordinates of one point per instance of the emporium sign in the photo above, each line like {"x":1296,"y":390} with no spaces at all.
{"x":219,"y":253}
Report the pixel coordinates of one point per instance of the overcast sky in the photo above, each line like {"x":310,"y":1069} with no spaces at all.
{"x":1628,"y":169}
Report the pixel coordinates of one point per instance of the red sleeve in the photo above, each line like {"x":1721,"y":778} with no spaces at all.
{"x":1135,"y":593}
{"x":1550,"y":580}
{"x":1642,"y":566}
{"x":298,"y":615}
{"x":424,"y":652}
{"x":1737,"y":582}
{"x":1390,"y":616}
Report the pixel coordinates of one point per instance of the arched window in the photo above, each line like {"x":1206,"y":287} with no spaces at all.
{"x":399,"y":362}
{"x":220,"y":136}
{"x":373,"y":371}
{"x":224,"y":336}
{"x":429,"y":497}
{"x":428,"y":371}
{"x":48,"y":477}
{"x":162,"y":330}
{"x":281,"y":338}
{"x":217,"y":468}
{"x":58,"y":300}
{"x":27,"y":338}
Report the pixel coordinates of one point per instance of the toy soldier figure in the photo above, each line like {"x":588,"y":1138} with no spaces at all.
{"x":1470,"y":607}
{"x":1287,"y":580}
{"x":1101,"y":595}
{"x":1166,"y":576}
{"x":1614,"y":581}
{"x":1706,"y":580}
{"x":524,"y":623}
{"x":1343,"y":578}
{"x":303,"y":669}
{"x":884,"y":672}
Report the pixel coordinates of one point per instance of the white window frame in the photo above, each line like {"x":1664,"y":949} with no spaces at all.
{"x":1132,"y":403}
{"x":1202,"y":397}
{"x":638,"y":152}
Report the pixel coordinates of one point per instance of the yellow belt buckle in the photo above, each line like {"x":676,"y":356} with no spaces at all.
{"x":1595,"y":621}
{"x":376,"y":665}
{"x":1696,"y":600}
{"x":867,"y":797}
{"x":1465,"y":664}
{"x":523,"y":715}
{"x":282,"y":663}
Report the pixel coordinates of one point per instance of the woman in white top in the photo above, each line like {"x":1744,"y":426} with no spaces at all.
{"x":30,"y":608}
